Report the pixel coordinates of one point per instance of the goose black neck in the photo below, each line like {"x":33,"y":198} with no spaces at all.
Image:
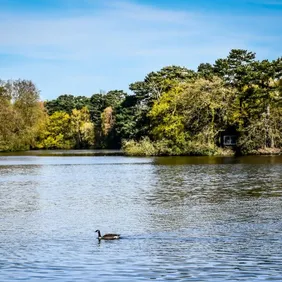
{"x":99,"y":233}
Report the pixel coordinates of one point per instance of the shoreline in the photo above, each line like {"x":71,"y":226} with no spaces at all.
{"x":109,"y":152}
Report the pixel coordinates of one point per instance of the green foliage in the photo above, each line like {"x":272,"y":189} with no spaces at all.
{"x":156,"y":83}
{"x":164,"y":147}
{"x":82,"y":128}
{"x":166,"y":116}
{"x":206,"y":71}
{"x":125,"y":119}
{"x":147,"y":147}
{"x":114,"y":98}
{"x":64,"y":131}
{"x":237,"y":68}
{"x":173,"y":111}
{"x":57,"y":133}
{"x":257,"y":106}
{"x":151,"y":89}
{"x":21,"y":114}
{"x":98,"y":104}
{"x":142,"y":148}
{"x":262,"y":132}
{"x":66,"y":103}
{"x":192,"y":113}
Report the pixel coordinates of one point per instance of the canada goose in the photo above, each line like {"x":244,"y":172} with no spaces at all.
{"x":107,"y":236}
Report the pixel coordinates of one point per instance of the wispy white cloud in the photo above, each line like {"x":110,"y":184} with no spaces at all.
{"x":115,"y":44}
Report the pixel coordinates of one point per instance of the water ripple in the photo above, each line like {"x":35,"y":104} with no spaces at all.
{"x":181,"y":219}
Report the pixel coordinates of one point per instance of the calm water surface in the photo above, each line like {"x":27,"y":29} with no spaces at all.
{"x":181,"y":219}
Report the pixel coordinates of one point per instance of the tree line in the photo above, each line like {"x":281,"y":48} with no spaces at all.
{"x":173,"y":111}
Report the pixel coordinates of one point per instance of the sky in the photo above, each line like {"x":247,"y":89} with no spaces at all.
{"x":82,"y":47}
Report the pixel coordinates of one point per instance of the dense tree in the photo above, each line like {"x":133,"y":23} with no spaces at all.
{"x":21,"y":114}
{"x":8,"y":123}
{"x":97,"y":105}
{"x":263,"y":104}
{"x":114,"y":98}
{"x":125,"y":124}
{"x":156,"y":83}
{"x":172,"y":111}
{"x":82,"y":128}
{"x":257,"y":96}
{"x":66,"y":103}
{"x":151,"y":89}
{"x":206,"y":70}
{"x":252,"y":107}
{"x":237,"y":68}
{"x":193,"y":113}
{"x":107,"y":127}
{"x":64,"y":131}
{"x":57,"y":133}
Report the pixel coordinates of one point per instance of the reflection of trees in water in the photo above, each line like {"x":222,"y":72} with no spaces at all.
{"x":207,"y":160}
{"x":183,"y":195}
{"x":18,"y":194}
{"x":191,"y":184}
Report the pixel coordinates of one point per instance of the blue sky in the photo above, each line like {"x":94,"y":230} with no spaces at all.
{"x":80,"y":47}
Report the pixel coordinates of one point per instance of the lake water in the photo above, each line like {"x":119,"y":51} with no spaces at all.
{"x":181,"y":219}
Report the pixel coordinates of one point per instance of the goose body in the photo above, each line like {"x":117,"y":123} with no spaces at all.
{"x":107,"y":236}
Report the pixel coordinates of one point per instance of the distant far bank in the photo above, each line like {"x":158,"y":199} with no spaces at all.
{"x":106,"y":152}
{"x":61,"y":153}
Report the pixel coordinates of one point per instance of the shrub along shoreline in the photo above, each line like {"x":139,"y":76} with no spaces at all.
{"x":146,"y":147}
